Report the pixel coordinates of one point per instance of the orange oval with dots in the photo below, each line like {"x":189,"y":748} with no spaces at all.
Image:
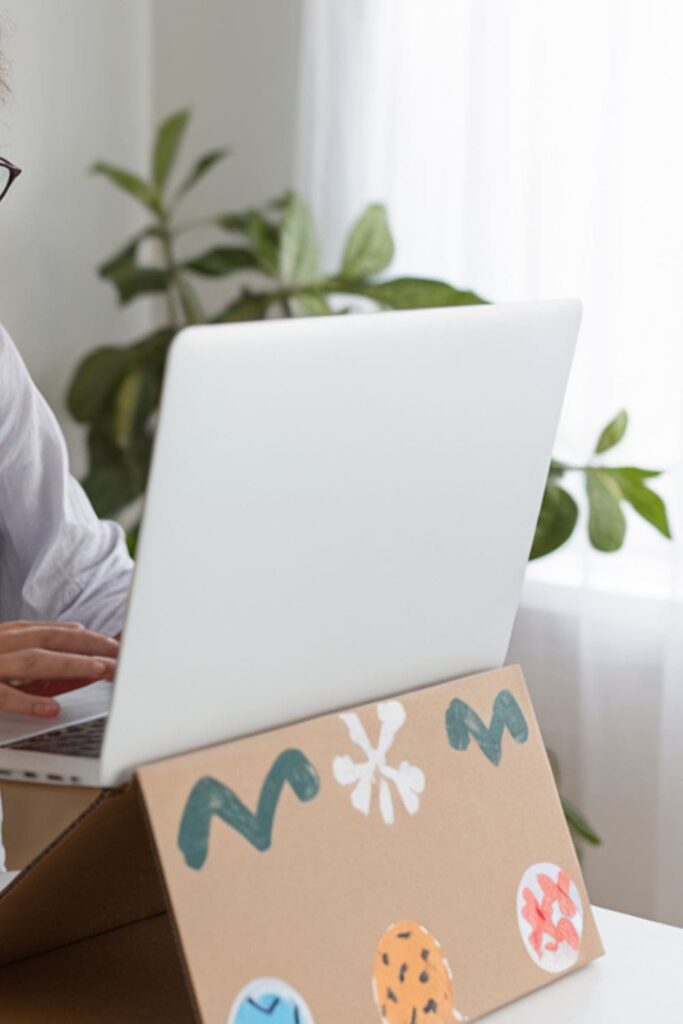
{"x":413,"y":982}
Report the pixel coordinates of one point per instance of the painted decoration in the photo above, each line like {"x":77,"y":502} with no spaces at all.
{"x":269,"y":1001}
{"x":550,"y":917}
{"x":413,"y":982}
{"x":463,"y":722}
{"x":210,"y":798}
{"x":406,"y":780}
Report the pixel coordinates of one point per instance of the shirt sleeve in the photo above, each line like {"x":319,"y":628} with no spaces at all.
{"x":57,"y":559}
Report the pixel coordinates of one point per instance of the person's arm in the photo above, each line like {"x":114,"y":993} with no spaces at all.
{"x":58,"y":561}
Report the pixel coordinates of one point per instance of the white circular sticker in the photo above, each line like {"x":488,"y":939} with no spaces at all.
{"x":550,"y":917}
{"x":269,"y":1001}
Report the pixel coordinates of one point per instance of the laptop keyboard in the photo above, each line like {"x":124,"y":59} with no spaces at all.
{"x":84,"y":740}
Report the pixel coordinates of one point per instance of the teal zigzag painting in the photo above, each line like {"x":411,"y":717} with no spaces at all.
{"x":212,"y":799}
{"x":463,"y":723}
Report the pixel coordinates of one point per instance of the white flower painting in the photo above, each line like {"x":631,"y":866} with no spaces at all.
{"x":406,"y":779}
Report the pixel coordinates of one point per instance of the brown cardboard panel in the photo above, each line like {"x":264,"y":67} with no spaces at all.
{"x":34,"y":814}
{"x":100,"y":874}
{"x":339,"y":896}
{"x":131,"y":975}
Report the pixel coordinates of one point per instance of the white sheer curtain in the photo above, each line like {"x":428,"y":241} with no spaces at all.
{"x":532,"y":148}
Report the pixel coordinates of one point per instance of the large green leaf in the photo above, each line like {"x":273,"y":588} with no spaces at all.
{"x":633,"y":474}
{"x":369,"y":247}
{"x":112,"y":482}
{"x":135,"y":281}
{"x":94,"y":391}
{"x":613,"y":433}
{"x":203,"y":165}
{"x":110,"y":487}
{"x":127,"y":255}
{"x":646,"y":503}
{"x":138,"y":457}
{"x":95,"y":381}
{"x":556,"y":521}
{"x":557,"y":468}
{"x":234,"y":221}
{"x":298,"y":253}
{"x":168,"y":140}
{"x":101,"y":445}
{"x":246,"y":307}
{"x":130,"y":183}
{"x":409,"y":293}
{"x":220,"y":261}
{"x":606,"y":522}
{"x":128,"y":277}
{"x":116,"y":477}
{"x":151,"y":351}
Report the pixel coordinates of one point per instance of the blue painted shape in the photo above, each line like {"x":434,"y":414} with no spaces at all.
{"x":269,"y":1009}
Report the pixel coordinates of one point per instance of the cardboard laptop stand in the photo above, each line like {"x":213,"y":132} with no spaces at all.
{"x":407,"y":862}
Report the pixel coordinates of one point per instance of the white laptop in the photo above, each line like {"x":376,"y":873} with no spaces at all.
{"x":340,"y":508}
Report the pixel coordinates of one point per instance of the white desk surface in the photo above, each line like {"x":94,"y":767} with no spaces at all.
{"x":640,"y":979}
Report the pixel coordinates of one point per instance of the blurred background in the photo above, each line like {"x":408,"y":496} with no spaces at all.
{"x":523,"y":149}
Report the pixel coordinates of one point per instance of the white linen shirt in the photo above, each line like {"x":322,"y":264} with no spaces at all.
{"x":57,"y":559}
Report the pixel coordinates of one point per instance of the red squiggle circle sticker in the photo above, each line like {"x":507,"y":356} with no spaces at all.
{"x":550,"y":917}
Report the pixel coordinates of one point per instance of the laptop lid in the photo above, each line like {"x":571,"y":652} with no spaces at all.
{"x":339,"y":508}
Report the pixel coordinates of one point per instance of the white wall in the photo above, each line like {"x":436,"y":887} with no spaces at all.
{"x":90,"y":79}
{"x":235,"y":64}
{"x":81,"y":90}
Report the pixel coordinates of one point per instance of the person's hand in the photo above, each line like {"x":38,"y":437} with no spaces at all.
{"x":33,"y":654}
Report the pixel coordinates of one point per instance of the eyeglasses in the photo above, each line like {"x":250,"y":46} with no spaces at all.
{"x":8,"y":172}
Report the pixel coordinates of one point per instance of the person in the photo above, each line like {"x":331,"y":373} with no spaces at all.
{"x":64,"y":573}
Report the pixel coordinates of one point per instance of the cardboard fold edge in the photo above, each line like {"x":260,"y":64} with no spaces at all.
{"x":174,"y":929}
{"x":35,"y":813}
{"x":97,"y":876}
{"x":36,"y":861}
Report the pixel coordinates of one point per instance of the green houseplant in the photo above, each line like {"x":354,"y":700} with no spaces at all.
{"x":269,"y":259}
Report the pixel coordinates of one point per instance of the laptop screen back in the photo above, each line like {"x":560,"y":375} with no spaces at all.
{"x":340,"y":508}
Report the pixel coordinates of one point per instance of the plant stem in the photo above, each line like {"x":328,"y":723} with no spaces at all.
{"x":193,"y":225}
{"x":167,"y":250}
